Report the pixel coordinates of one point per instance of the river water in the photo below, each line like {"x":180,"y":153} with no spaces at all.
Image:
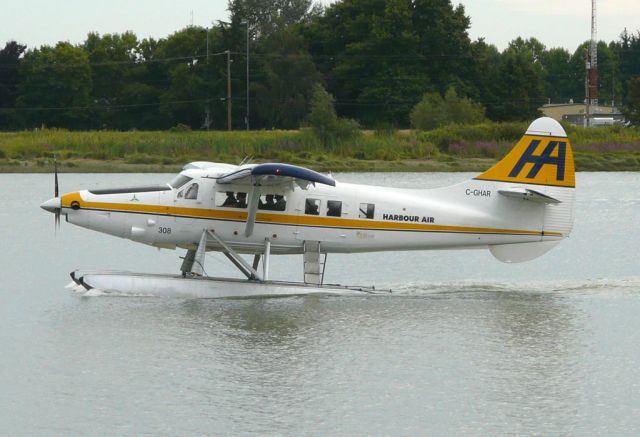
{"x":467,"y":345}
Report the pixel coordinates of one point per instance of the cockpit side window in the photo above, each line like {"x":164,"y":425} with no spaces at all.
{"x":192,"y":192}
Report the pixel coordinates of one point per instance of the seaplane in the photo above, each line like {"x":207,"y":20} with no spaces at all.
{"x":518,"y":209}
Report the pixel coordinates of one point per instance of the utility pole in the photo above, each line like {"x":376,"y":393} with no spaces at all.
{"x":245,"y":23}
{"x":591,"y":82}
{"x":207,"y":111}
{"x":228,"y":89}
{"x":587,"y":87}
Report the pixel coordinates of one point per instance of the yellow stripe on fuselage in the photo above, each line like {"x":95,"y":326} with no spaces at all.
{"x":285,"y":219}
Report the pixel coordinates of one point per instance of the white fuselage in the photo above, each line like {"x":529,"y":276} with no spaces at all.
{"x":468,"y":215}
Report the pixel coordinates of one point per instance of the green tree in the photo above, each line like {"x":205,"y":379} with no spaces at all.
{"x":55,"y":87}
{"x":484,"y":77}
{"x":627,"y":50}
{"x":9,"y":61}
{"x":429,"y":112}
{"x":434,"y":111}
{"x":268,"y":16}
{"x":558,"y":78}
{"x":520,"y":90}
{"x":284,"y":88}
{"x":387,"y":83}
{"x":116,"y":71}
{"x":379,"y":56}
{"x":444,"y":42}
{"x":324,"y":121}
{"x":631,"y":109}
{"x":187,"y":76}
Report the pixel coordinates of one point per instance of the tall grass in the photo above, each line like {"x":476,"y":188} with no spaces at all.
{"x":486,"y":140}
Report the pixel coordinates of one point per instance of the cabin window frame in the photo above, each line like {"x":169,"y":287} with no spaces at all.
{"x":335,"y":211}
{"x":311,"y":202}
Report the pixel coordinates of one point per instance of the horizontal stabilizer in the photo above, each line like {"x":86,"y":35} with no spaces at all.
{"x":528,"y":194}
{"x":521,"y":252}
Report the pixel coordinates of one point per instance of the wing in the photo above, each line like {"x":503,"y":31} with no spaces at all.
{"x":272,"y":174}
{"x":275,"y":174}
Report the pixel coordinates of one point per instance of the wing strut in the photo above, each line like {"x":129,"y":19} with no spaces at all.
{"x":254,"y":199}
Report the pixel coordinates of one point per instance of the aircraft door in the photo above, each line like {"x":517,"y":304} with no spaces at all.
{"x":187,"y":199}
{"x":324,"y":218}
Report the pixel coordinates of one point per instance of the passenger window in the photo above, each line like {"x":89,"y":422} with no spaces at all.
{"x":180,"y":194}
{"x":267,"y":201}
{"x":367,"y":210}
{"x":281,"y":202}
{"x":226,"y":199}
{"x":242,"y":200}
{"x":230,"y":199}
{"x":191,"y":193}
{"x":312,"y":206}
{"x":334,"y":208}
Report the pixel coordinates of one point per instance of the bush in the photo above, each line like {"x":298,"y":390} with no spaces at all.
{"x":434,"y":111}
{"x":324,"y":121}
{"x":180,"y":127}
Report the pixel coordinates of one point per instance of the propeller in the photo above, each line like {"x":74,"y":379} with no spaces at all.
{"x":56,"y":192}
{"x":53,"y":205}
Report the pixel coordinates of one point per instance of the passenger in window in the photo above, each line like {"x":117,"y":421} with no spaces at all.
{"x":312,"y":206}
{"x":281,"y":202}
{"x":269,"y":203}
{"x":192,"y":192}
{"x":230,"y":201}
{"x":242,"y":200}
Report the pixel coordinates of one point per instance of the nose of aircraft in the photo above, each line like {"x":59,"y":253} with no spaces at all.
{"x":51,"y":205}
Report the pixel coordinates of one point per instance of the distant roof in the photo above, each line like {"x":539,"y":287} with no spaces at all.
{"x":553,"y":105}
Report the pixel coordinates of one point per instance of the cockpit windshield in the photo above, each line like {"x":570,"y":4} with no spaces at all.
{"x":179,"y":181}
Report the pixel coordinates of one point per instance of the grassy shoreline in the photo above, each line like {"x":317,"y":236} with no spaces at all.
{"x":453,"y":148}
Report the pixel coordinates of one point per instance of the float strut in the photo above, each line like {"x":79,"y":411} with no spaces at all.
{"x":187,"y":262}
{"x":236,"y":259}
{"x":265,"y":261}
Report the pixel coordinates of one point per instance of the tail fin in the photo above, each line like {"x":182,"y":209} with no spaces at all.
{"x":539,"y":168}
{"x":543,"y":156}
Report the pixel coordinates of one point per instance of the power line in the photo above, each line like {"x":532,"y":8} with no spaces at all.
{"x":130,"y":62}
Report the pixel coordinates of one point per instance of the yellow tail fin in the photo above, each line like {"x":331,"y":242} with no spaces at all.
{"x":543,"y":156}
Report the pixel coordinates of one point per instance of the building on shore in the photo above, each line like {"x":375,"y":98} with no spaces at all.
{"x":575,"y":113}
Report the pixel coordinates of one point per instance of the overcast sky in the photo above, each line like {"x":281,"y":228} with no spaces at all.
{"x":557,"y":23}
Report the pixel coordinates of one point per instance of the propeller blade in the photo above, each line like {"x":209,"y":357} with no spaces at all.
{"x":55,"y":171}
{"x":56,"y":192}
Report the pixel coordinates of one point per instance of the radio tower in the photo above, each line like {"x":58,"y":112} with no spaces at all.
{"x":592,"y":64}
